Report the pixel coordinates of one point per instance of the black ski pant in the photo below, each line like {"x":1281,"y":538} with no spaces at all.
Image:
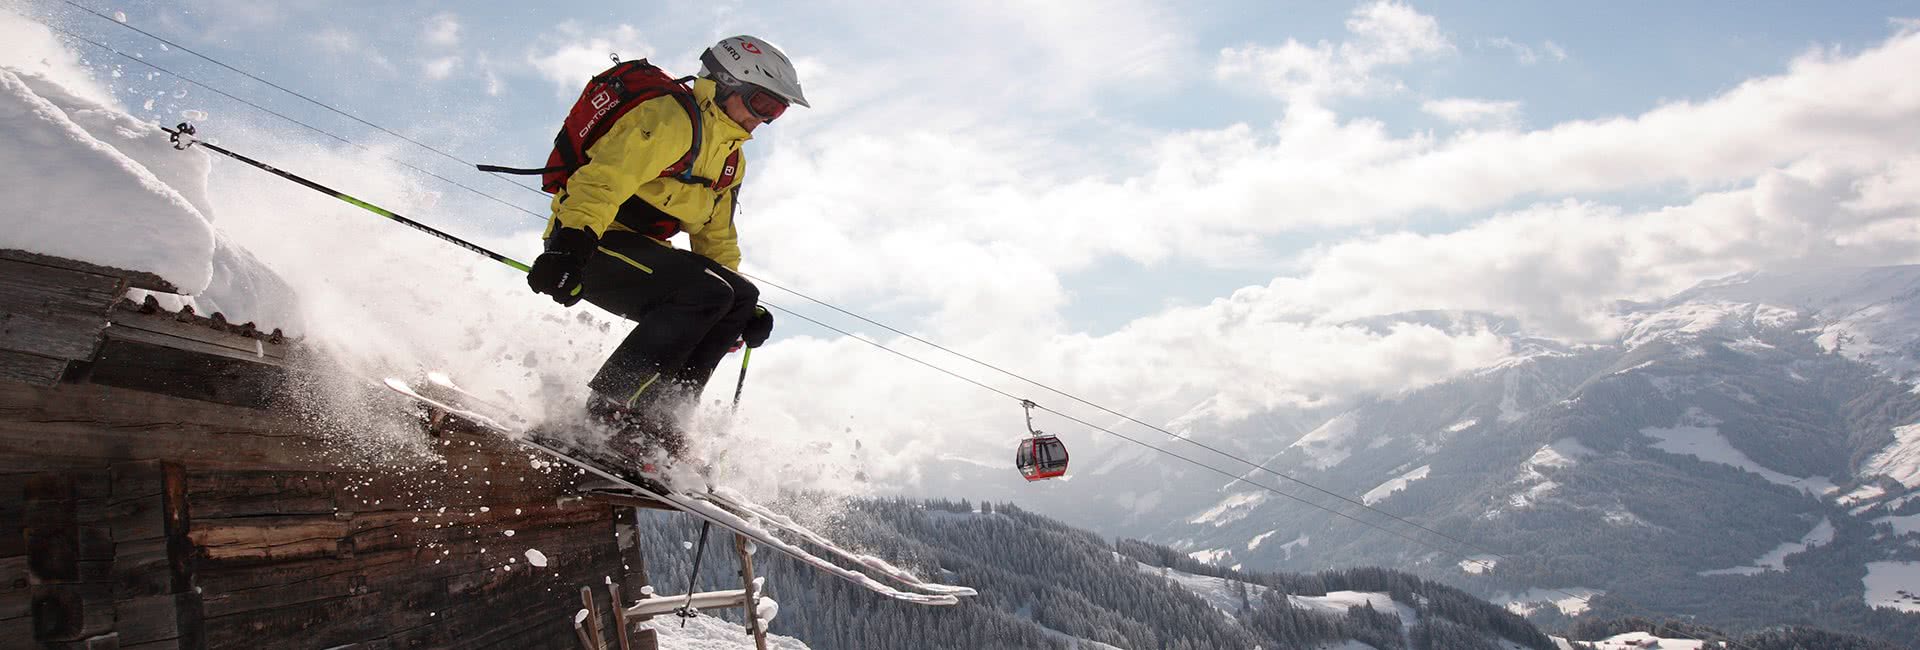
{"x":687,"y":310}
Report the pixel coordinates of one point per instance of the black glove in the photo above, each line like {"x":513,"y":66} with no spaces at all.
{"x":557,"y":272}
{"x":759,"y":328}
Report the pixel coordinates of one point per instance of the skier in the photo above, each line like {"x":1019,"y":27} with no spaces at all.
{"x":607,"y":242}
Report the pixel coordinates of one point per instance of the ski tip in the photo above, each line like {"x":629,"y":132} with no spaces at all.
{"x":398,"y":385}
{"x":440,"y":379}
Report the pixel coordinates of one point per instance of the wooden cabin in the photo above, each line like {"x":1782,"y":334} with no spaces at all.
{"x":165,"y":483}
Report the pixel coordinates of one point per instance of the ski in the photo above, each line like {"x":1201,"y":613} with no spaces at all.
{"x":706,"y":510}
{"x":738,"y":503}
{"x":731,"y":500}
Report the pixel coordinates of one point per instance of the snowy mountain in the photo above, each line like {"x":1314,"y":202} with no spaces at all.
{"x":1044,"y":584}
{"x":1755,"y":439}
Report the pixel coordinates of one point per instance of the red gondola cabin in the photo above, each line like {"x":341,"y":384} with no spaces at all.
{"x":1041,"y":457}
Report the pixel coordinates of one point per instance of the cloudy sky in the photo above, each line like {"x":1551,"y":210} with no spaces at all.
{"x":1148,"y":204}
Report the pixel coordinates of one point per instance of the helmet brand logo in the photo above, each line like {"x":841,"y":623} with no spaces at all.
{"x":733,"y":52}
{"x":750,"y":47}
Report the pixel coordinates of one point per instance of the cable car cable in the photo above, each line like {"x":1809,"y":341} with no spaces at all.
{"x":1257,"y":466}
{"x":277,"y":114}
{"x":1196,"y":463}
{"x":286,"y":90}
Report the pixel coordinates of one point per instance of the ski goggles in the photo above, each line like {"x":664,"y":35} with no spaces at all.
{"x":762,"y":103}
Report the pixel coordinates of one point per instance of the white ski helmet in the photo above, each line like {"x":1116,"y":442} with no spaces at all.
{"x":745,"y":59}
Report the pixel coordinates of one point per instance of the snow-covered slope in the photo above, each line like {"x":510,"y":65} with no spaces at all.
{"x":1867,"y":314}
{"x":1708,"y":442}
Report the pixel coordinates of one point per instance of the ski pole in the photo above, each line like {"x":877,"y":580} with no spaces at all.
{"x":745,"y":356}
{"x":182,"y":137}
{"x":686,"y":611}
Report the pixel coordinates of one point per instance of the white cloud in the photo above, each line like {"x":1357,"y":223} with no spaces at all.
{"x":1559,"y":265}
{"x":1383,"y":33}
{"x":572,"y":55}
{"x":440,"y":68}
{"x":1329,"y":172}
{"x":1554,"y":50}
{"x":1473,"y":112}
{"x":1525,"y":53}
{"x":442,"y":30}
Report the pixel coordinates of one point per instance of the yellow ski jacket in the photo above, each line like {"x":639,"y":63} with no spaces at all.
{"x":627,"y":161}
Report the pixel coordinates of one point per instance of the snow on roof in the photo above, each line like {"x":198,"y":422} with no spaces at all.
{"x":100,"y":191}
{"x":110,"y":189}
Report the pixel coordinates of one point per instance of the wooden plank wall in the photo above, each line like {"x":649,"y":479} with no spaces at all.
{"x":165,"y":495}
{"x":150,"y":521}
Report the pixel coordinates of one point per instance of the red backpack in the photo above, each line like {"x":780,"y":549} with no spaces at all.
{"x":607,"y":97}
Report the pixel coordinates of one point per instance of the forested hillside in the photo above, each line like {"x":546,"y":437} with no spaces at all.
{"x":1044,"y":584}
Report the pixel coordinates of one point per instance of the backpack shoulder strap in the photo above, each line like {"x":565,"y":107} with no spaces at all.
{"x":693,"y":149}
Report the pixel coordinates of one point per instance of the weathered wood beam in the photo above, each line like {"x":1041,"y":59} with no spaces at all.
{"x":98,"y":425}
{"x":158,"y":363}
{"x":620,"y":621}
{"x":28,"y":368}
{"x":752,"y":603}
{"x":54,"y":312}
{"x":657,"y":605}
{"x":593,"y":618}
{"x":138,"y":279}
